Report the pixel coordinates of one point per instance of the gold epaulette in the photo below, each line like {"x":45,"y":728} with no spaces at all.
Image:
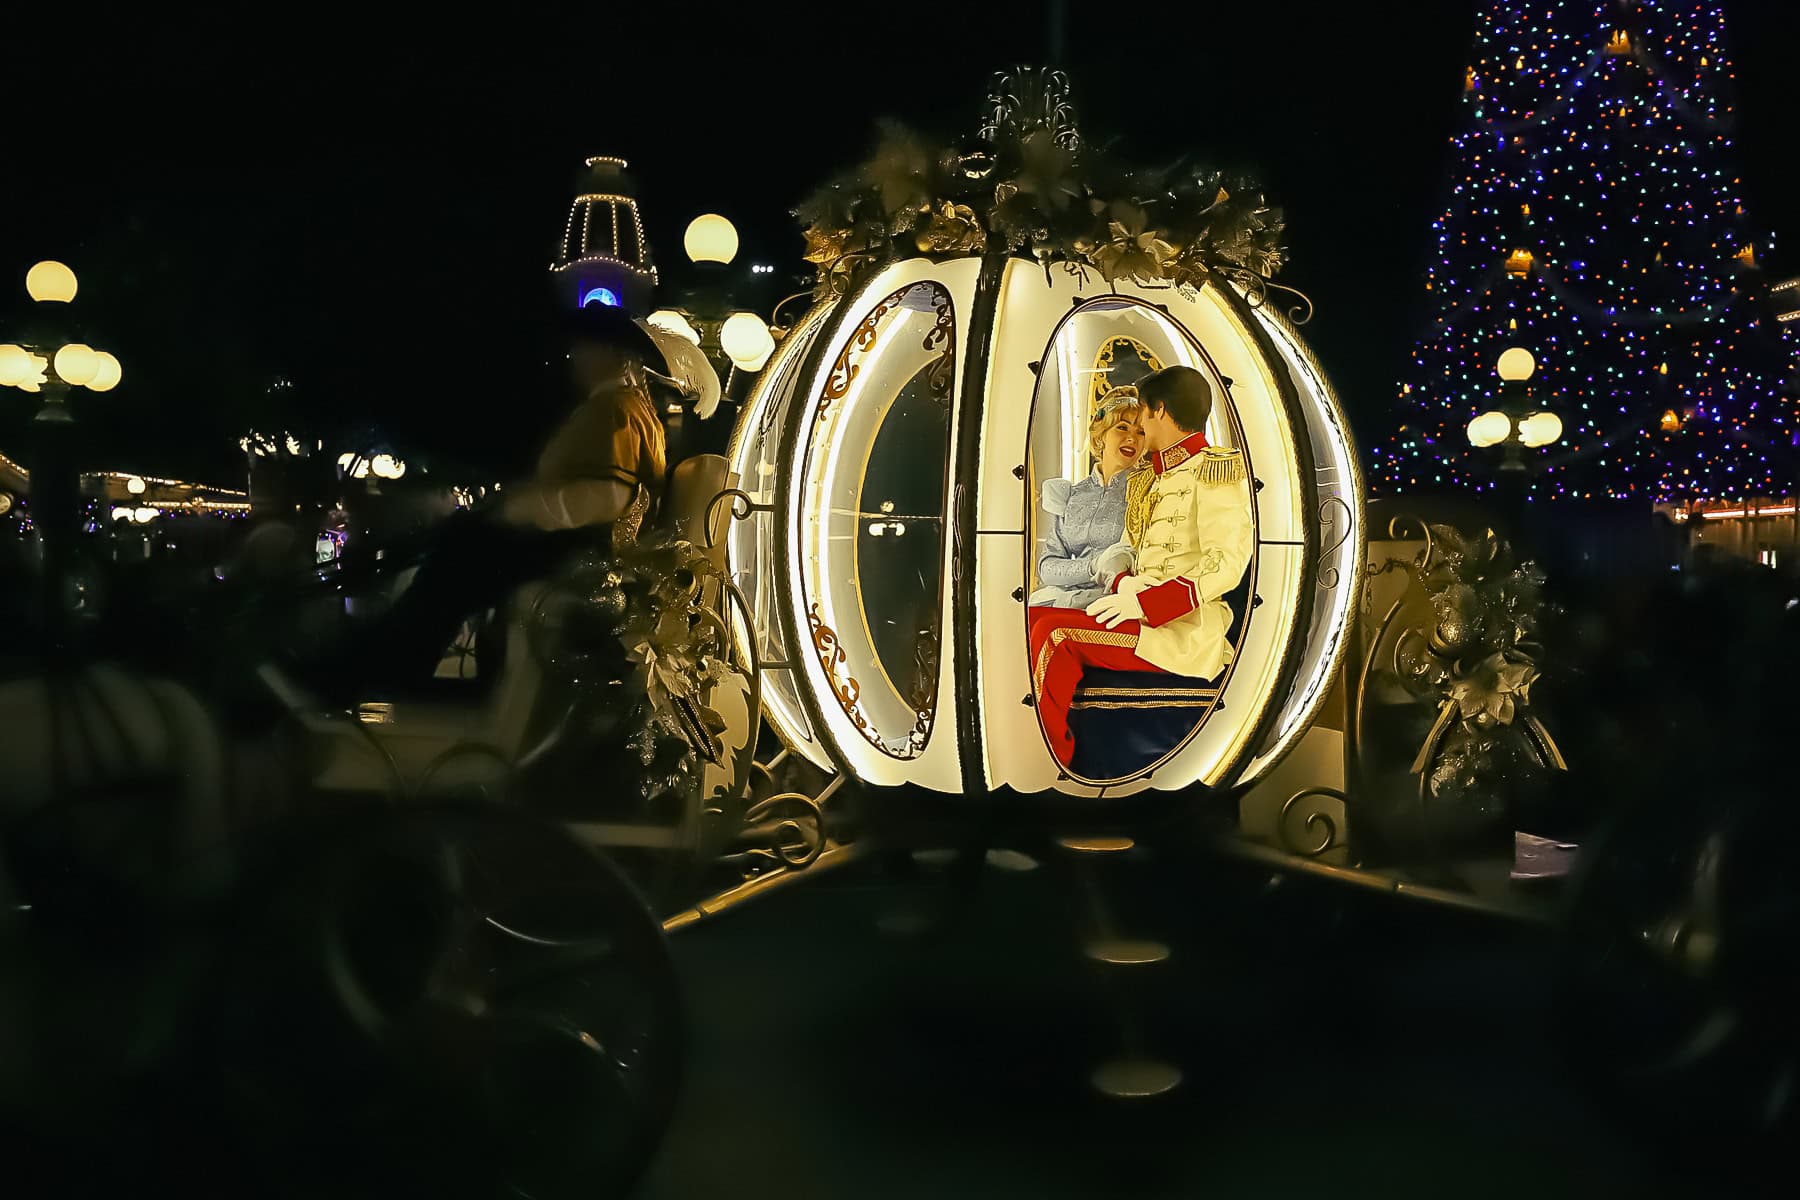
{"x":1219,"y":464}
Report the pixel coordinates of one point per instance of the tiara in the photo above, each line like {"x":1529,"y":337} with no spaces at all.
{"x":1115,"y":398}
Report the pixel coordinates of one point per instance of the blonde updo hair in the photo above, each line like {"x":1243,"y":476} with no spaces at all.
{"x":1115,"y":401}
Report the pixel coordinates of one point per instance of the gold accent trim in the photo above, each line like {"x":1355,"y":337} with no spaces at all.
{"x":1103,"y":364}
{"x":1157,"y":702}
{"x":1097,"y":637}
{"x":1157,"y":691}
{"x":1138,"y":505}
{"x":1219,"y":466}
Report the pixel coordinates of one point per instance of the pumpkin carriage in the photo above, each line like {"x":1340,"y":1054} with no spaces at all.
{"x":825,"y":646}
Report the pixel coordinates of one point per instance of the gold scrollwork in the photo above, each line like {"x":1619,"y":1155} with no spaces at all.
{"x":941,"y":337}
{"x":793,"y":839}
{"x":1103,"y":365}
{"x":843,"y":371}
{"x":844,"y":368}
{"x":1316,"y":821}
{"x":741,"y":508}
{"x":1257,"y":287}
{"x":1328,"y":575}
{"x":848,"y":691}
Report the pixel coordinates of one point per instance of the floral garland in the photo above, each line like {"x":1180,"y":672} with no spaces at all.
{"x":1025,"y":193}
{"x":634,"y":621}
{"x":1476,"y":664}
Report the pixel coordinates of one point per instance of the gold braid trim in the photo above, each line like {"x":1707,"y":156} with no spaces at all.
{"x":1197,"y":693}
{"x":1140,"y":705}
{"x":1099,"y":637}
{"x":1137,"y":503}
{"x":1218,"y":466}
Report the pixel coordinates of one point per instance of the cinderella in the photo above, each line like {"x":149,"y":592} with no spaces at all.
{"x":1086,"y":518}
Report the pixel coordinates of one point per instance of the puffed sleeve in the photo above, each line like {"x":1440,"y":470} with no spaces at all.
{"x":1058,"y":565}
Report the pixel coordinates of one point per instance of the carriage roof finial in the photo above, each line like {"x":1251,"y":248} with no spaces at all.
{"x":1024,"y":99}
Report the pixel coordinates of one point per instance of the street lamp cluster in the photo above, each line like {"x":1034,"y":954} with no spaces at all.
{"x":50,"y":363}
{"x":75,"y":364}
{"x":1515,"y":424}
{"x":742,"y":337}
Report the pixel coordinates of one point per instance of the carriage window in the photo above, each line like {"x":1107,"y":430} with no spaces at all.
{"x":874,"y":503}
{"x":1108,"y":712}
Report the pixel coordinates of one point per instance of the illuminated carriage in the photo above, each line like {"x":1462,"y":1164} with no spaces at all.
{"x":887,"y":470}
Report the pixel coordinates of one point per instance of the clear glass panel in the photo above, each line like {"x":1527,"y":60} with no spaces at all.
{"x":872,"y":516}
{"x":1122,"y":718}
{"x":754,"y":543}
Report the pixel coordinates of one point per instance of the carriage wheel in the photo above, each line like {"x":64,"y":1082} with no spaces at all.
{"x":484,"y":1006}
{"x":1670,"y":984}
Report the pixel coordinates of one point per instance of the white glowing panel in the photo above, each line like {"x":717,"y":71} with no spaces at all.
{"x":873,"y":612}
{"x":1338,"y":494}
{"x":754,"y":545}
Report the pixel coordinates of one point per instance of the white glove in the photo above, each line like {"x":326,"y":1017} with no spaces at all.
{"x":1113,"y":562}
{"x":1111,"y":610}
{"x":1131,"y":585}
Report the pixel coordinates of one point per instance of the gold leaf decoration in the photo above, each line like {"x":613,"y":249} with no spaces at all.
{"x":954,"y":229}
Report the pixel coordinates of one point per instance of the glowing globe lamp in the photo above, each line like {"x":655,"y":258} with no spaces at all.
{"x":1516,"y":365}
{"x":76,"y":364}
{"x":1540,"y":429}
{"x":753,"y":365}
{"x":746,"y":340}
{"x":135,"y":486}
{"x":107,"y":372}
{"x":710,"y":238}
{"x":15,"y":364}
{"x":1490,"y":429}
{"x":50,"y":281}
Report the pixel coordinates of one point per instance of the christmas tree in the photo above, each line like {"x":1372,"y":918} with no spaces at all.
{"x":1595,"y":220}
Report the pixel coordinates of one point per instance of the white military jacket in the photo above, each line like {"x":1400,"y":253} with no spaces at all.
{"x":1193,"y":535}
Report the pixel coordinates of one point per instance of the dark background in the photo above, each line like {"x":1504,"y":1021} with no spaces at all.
{"x":369,"y":212}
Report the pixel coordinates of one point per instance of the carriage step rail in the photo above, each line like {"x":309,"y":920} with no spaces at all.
{"x":1126,"y":952}
{"x":1133,"y":1074}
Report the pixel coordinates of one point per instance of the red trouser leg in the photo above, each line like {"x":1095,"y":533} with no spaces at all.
{"x":1064,"y":643}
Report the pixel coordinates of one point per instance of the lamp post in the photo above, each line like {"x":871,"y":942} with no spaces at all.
{"x":49,"y":365}
{"x":737,"y":341}
{"x":1518,"y":424}
{"x":732,"y":337}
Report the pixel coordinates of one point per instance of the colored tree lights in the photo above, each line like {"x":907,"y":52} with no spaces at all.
{"x":1595,"y":219}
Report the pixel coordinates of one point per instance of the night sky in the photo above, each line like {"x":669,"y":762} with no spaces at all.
{"x":369,"y":212}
